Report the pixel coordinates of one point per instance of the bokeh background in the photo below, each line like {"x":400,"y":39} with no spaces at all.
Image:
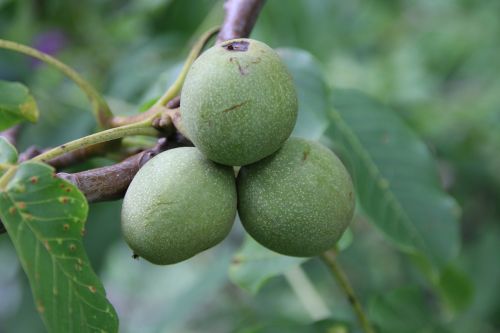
{"x":435,"y":63}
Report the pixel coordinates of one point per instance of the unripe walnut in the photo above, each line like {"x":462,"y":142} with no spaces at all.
{"x":178,"y":204}
{"x":298,"y":201}
{"x":238,"y":103}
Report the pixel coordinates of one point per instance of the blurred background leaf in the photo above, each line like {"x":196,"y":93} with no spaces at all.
{"x":16,"y":105}
{"x":395,"y":177}
{"x":254,"y":264}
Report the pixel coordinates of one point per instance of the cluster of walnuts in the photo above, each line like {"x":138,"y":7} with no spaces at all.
{"x":239,"y":107}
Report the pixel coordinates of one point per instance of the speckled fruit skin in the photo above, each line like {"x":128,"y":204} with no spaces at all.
{"x":178,"y":204}
{"x":238,"y":103}
{"x":297,"y":202}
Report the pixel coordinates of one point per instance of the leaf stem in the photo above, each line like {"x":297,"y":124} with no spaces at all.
{"x":141,"y":128}
{"x":329,"y":258}
{"x":175,"y":88}
{"x":100,"y":108}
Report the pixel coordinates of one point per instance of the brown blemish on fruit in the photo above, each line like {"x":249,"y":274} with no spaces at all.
{"x":243,"y":69}
{"x":12,"y":210}
{"x":34,"y":180}
{"x":236,"y":106}
{"x":92,"y":289}
{"x":240,"y":68}
{"x":236,"y":46}
{"x":66,"y":227}
{"x":21,"y":205}
{"x":63,"y":200}
{"x":72,"y":247}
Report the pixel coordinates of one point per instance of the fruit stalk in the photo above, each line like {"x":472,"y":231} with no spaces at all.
{"x":329,"y":258}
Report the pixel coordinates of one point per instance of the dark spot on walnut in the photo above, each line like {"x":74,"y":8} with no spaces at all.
{"x":241,"y":69}
{"x":237,"y":46}
{"x":236,"y":106}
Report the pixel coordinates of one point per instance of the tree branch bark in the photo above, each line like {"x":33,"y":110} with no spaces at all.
{"x":240,"y":18}
{"x":111,"y":182}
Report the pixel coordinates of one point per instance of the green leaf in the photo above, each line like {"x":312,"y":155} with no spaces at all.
{"x":253,"y":265}
{"x":401,"y":311}
{"x":456,"y":288}
{"x":395,"y":177}
{"x":44,"y":217}
{"x":16,"y":104}
{"x":312,"y":92}
{"x":8,"y":155}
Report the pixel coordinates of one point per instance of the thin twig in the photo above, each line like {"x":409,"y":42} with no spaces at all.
{"x":329,"y":258}
{"x":72,"y":157}
{"x":142,"y":128}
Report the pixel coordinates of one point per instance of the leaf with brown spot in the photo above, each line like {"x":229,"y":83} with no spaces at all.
{"x":67,"y":292}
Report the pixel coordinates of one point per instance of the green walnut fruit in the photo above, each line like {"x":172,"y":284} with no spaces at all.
{"x":178,"y":205}
{"x":297,"y":202}
{"x":238,"y":103}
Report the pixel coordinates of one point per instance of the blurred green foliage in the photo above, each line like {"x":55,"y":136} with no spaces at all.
{"x":435,"y":62}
